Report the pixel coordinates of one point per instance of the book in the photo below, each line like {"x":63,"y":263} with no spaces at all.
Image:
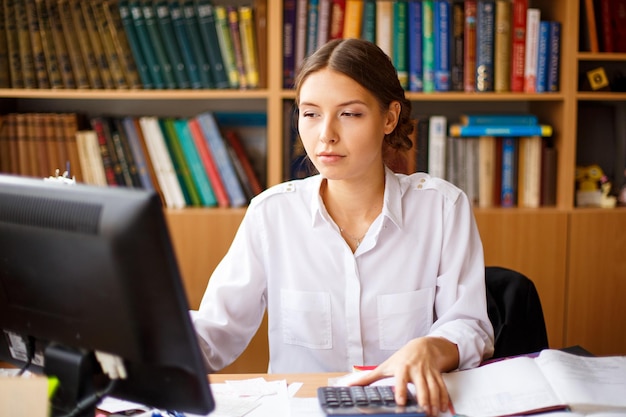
{"x":42,"y":74}
{"x":518,"y":44}
{"x":486,"y":171}
{"x":209,"y":163}
{"x":97,"y":44}
{"x":89,"y":154}
{"x":138,"y":153}
{"x":457,"y":45}
{"x":157,"y":43}
{"x":311,"y":26}
{"x":77,"y":28}
{"x":205,"y":12}
{"x":368,"y":21}
{"x":245,"y":171}
{"x":508,"y":183}
{"x":533,"y":17}
{"x":112,"y":170}
{"x":139,"y":28}
{"x":226,"y":47}
{"x":302,"y":10}
{"x":337,"y":19}
{"x":232,"y":17}
{"x":469,"y":46}
{"x":182,"y":166}
{"x":162,"y":161}
{"x":437,"y":137}
{"x":227,"y":172}
{"x":543,"y":51}
{"x":548,"y":175}
{"x":27,"y":62}
{"x":353,"y":19}
{"x":485,"y":32}
{"x":249,"y":46}
{"x":323,"y":22}
{"x":259,"y":13}
{"x":5,"y":72}
{"x":111,"y":54}
{"x":428,"y":46}
{"x":500,"y":130}
{"x":289,"y":43}
{"x":503,"y":119}
{"x":128,"y":170}
{"x":193,"y":34}
{"x":441,"y":42}
{"x":13,"y":46}
{"x":529,"y":171}
{"x":591,"y":33}
{"x":177,"y":55}
{"x":554,"y":57}
{"x":502,"y":47}
{"x":605,"y":24}
{"x":414,"y":41}
{"x":187,"y":48}
{"x":384,"y":26}
{"x":399,"y":51}
{"x":129,"y":45}
{"x":553,"y":380}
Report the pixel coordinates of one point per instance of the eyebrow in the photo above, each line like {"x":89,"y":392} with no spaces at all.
{"x":346,"y":103}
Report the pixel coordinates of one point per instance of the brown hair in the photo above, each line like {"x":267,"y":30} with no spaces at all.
{"x":368,"y":65}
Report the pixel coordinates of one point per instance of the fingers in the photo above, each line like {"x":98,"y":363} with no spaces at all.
{"x":431,"y":392}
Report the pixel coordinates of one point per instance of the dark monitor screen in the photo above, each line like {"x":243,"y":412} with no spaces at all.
{"x":86,"y":269}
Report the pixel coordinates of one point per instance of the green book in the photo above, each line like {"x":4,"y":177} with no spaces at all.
{"x":400,"y":42}
{"x":143,"y":41}
{"x":154,"y":37}
{"x":125,"y":28}
{"x":183,"y":173}
{"x":192,"y":29}
{"x":205,"y":12}
{"x":226,"y":46}
{"x":198,"y":173}
{"x":428,"y":46}
{"x":187,"y":47}
{"x":173,"y":50}
{"x":368,"y":26}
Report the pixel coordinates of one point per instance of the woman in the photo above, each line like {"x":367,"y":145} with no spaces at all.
{"x":356,"y":265}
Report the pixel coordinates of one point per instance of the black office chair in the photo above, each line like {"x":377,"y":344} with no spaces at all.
{"x":515,"y":312}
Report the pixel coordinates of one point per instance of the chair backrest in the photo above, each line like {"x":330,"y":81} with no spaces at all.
{"x":515,"y":312}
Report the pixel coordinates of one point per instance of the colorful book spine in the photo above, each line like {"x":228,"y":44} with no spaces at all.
{"x":180,"y":163}
{"x":215,"y":140}
{"x":191,"y":33}
{"x":128,"y":46}
{"x":437,"y":138}
{"x":441,"y":40}
{"x":428,"y":46}
{"x":502,"y":47}
{"x":485,"y":31}
{"x":415,"y":46}
{"x":96,"y":41}
{"x":143,"y":40}
{"x":532,"y":49}
{"x":499,"y":119}
{"x":302,"y":11}
{"x":289,"y":43}
{"x":249,"y":46}
{"x":51,"y":50}
{"x":226,"y":46}
{"x":25,"y":54}
{"x":151,"y":24}
{"x":337,"y":19}
{"x":518,"y":44}
{"x":177,"y":54}
{"x":353,"y":21}
{"x":51,"y":8}
{"x":368,"y":21}
{"x":469,"y":47}
{"x":134,"y":143}
{"x":210,"y":41}
{"x":186,"y":46}
{"x":486,"y":171}
{"x":457,"y":46}
{"x":529,"y":171}
{"x":400,"y":42}
{"x":458,"y":130}
{"x":323,"y":22}
{"x":198,"y":174}
{"x":112,"y":56}
{"x":543,"y":53}
{"x":554,"y":59}
{"x":235,"y":36}
{"x":384,"y":26}
{"x":509,"y":173}
{"x":38,"y":52}
{"x":76,"y":27}
{"x":311,"y":27}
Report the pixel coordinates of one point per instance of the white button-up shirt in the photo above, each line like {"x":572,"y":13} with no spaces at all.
{"x":418,"y":271}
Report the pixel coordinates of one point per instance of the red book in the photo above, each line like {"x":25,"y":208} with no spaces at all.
{"x":209,"y":163}
{"x":470,"y":46}
{"x":518,"y":47}
{"x":337,"y":16}
{"x":252,"y":180}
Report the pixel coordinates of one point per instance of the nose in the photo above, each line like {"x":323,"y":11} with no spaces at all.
{"x":328,"y":133}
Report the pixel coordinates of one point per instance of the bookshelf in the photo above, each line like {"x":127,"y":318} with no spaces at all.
{"x":564,"y":249}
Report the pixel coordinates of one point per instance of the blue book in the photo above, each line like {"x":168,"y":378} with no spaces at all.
{"x":499,"y":119}
{"x":441,"y":40}
{"x":458,"y":130}
{"x":554,"y":58}
{"x":196,"y":167}
{"x":311,"y":33}
{"x":485,"y":18}
{"x":543,"y":52}
{"x":368,"y":26}
{"x":143,"y":171}
{"x":214,"y":138}
{"x":415,"y":46}
{"x":508,"y":196}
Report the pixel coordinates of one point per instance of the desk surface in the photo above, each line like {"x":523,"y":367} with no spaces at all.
{"x":310,"y":382}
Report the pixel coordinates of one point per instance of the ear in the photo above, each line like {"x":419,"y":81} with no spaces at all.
{"x":392,"y":116}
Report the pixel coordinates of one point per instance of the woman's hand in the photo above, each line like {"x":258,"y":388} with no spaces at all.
{"x":420,"y":361}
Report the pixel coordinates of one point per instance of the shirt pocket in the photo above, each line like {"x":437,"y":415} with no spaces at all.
{"x":404,"y":316}
{"x":306,"y":319}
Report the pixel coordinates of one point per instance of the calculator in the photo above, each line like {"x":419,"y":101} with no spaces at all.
{"x":371,"y":400}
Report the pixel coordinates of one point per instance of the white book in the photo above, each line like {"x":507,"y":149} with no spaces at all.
{"x":486,"y":171}
{"x":533,"y":16}
{"x":92,"y":147}
{"x":437,"y":136}
{"x":552,"y":380}
{"x":529,"y":171}
{"x":323,"y":22}
{"x":384,"y":26}
{"x":162,"y":162}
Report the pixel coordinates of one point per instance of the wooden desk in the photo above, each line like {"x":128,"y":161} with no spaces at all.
{"x":310,"y":382}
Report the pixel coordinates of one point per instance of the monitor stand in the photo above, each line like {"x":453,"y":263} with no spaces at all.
{"x":76,"y":371}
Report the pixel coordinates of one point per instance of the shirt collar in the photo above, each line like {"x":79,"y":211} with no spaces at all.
{"x":392,"y":200}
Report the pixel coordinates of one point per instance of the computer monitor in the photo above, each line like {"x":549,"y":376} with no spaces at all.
{"x":86,"y":269}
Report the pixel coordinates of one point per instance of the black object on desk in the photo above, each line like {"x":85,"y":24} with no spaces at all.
{"x":371,"y":400}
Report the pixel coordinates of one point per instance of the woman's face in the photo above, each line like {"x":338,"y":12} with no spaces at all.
{"x":342,"y":126}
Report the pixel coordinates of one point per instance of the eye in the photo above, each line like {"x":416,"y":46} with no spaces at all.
{"x":351,"y":114}
{"x":306,"y":114}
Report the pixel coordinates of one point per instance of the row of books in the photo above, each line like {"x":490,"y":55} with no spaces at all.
{"x":191,"y":162}
{"x":127,"y":44}
{"x":603,"y":25}
{"x":436,"y":45}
